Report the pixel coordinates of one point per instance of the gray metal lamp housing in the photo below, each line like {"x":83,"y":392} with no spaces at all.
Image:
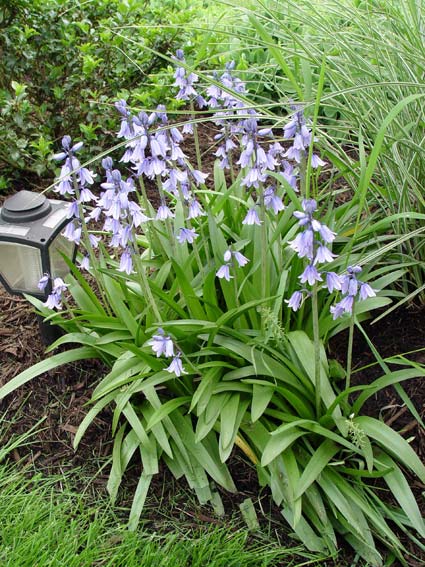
{"x":31,"y":243}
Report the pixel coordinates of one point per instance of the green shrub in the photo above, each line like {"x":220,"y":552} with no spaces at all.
{"x":373,"y":52}
{"x":64,"y":62}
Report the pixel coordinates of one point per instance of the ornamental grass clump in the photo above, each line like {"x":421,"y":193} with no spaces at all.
{"x":214,"y":299}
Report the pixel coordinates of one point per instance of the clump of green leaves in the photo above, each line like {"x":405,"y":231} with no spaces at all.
{"x":192,"y":314}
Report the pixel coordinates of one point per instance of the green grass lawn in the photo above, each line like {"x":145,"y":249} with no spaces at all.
{"x":44,"y":523}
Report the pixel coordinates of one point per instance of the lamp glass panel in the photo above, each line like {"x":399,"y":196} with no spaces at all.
{"x":20,"y":266}
{"x":59,"y":246}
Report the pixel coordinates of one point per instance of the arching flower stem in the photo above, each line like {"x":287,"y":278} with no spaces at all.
{"x":196,"y":138}
{"x":350,"y":348}
{"x":316,"y":340}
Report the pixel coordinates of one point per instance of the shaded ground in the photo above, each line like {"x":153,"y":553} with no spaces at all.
{"x":58,"y":398}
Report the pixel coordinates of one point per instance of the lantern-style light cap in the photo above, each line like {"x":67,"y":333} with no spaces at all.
{"x":25,"y":206}
{"x":31,"y":243}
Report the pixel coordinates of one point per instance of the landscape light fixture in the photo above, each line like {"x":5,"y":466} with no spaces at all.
{"x":31,"y":243}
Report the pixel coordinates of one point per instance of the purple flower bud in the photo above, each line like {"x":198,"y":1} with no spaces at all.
{"x":366,"y":291}
{"x":337,"y":310}
{"x":44,"y":280}
{"x":77,"y":146}
{"x":95,"y":213}
{"x":60,"y":156}
{"x":303,"y":244}
{"x":224,"y":272}
{"x":164,"y":213}
{"x":293,"y":154}
{"x":272,"y":201}
{"x":195,"y":210}
{"x":316,"y":161}
{"x":59,"y":285}
{"x":309,"y":206}
{"x":327,"y":234}
{"x":290,"y":129}
{"x":126,"y":262}
{"x":198,"y":176}
{"x":85,"y":263}
{"x":107,"y":163}
{"x":72,"y":233}
{"x":66,"y":142}
{"x":54,"y":301}
{"x":73,"y":210}
{"x":186,"y":235}
{"x":86,"y":195}
{"x":294,"y":302}
{"x":176,"y":366}
{"x":240,"y":258}
{"x":323,"y":254}
{"x":252,"y":217}
{"x":161,"y":344}
{"x":310,"y":275}
{"x":347,"y":303}
{"x":333,"y":282}
{"x":94,"y":240}
{"x":354,"y":269}
{"x":121,"y":106}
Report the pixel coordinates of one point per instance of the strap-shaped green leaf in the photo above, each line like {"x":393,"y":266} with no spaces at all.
{"x":393,"y":443}
{"x":165,"y":409}
{"x":139,"y":500}
{"x":262,"y":393}
{"x":279,"y":443}
{"x":230,"y":430}
{"x":193,"y":304}
{"x":89,"y":417}
{"x":124,"y":368}
{"x":158,"y":430}
{"x":315,"y":465}
{"x":116,"y":472}
{"x":208,"y":460}
{"x":82,"y":353}
{"x":204,"y":391}
{"x":148,"y":448}
{"x":401,"y":490}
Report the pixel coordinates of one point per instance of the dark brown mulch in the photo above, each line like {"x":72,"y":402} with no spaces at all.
{"x":59,"y":398}
{"x":402,"y":331}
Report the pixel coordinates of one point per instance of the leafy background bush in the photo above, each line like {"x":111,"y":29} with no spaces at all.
{"x":64,"y":62}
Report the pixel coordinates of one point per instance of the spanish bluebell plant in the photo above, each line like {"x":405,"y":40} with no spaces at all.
{"x":214,"y":295}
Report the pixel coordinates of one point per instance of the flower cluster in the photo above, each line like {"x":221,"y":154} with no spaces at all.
{"x":311,"y":244}
{"x":54,"y":299}
{"x":298,"y":130}
{"x":351,"y":288}
{"x":224,"y":271}
{"x":73,"y":182}
{"x":162,"y":344}
{"x":156,"y":154}
{"x":71,"y":165}
{"x":240,"y":130}
{"x":185,"y":81}
{"x":123,"y":216}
